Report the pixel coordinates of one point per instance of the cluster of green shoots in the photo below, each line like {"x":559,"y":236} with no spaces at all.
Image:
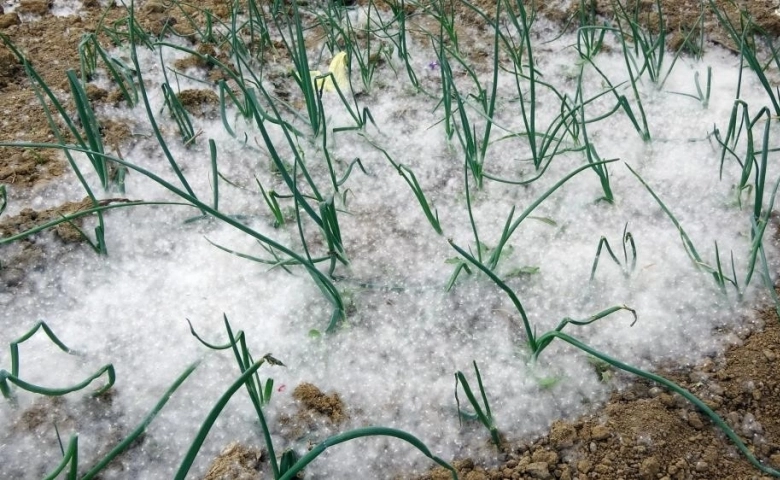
{"x":287,"y":467}
{"x":468,"y":108}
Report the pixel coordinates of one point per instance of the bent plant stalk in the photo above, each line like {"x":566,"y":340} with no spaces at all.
{"x":538,"y":344}
{"x":71,"y":456}
{"x":12,"y":377}
{"x":723,"y":426}
{"x":290,"y":466}
{"x":322,"y":281}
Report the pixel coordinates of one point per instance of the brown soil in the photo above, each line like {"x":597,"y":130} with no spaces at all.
{"x":99,"y":415}
{"x":317,"y":415}
{"x":199,"y":102}
{"x":52,"y":47}
{"x":28,"y":219}
{"x":643,"y":432}
{"x":314,"y":401}
{"x":236,"y":462}
{"x":50,"y":44}
{"x":27,"y":254}
{"x":681,"y":17}
{"x":26,"y":167}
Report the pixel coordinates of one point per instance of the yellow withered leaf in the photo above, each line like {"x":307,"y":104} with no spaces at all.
{"x":338,"y":67}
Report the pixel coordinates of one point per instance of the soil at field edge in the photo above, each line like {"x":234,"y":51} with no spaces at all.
{"x":645,"y":432}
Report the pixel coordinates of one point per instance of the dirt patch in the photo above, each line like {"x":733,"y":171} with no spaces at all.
{"x":237,"y":462}
{"x":684,"y":21}
{"x":315,"y":402}
{"x":206,"y":61}
{"x":35,"y":7}
{"x":46,"y":411}
{"x":317,"y":415}
{"x":28,"y":219}
{"x":26,"y":254}
{"x":199,"y":102}
{"x":644,"y":432}
{"x":681,"y":18}
{"x":10,"y":67}
{"x":180,"y":19}
{"x":98,"y":417}
{"x":114,"y":133}
{"x":27,"y":167}
{"x":51,"y":45}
